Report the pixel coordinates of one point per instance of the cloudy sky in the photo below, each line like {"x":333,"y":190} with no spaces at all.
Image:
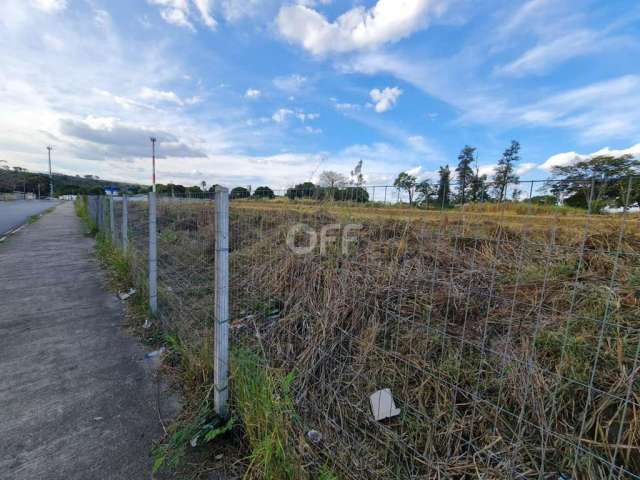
{"x":272,"y":92}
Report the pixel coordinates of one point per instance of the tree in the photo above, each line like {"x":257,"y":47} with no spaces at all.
{"x":332,"y":179}
{"x":479,"y":190}
{"x":264,"y":192}
{"x":203,"y":184}
{"x":464,"y":171}
{"x":444,"y":186}
{"x":356,"y":175}
{"x":239,"y":192}
{"x":505,"y":170}
{"x":543,"y":200}
{"x":608,"y":175}
{"x":425,"y":191}
{"x":303,"y":190}
{"x":406,"y":182}
{"x":351,"y":194}
{"x":516,"y":194}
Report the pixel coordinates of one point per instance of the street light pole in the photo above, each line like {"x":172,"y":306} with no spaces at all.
{"x":153,"y":156}
{"x":49,"y":148}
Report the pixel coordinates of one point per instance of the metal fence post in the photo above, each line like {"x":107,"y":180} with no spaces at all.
{"x":153,"y":255}
{"x":125,"y":223}
{"x":221,"y":333}
{"x":112,"y":220}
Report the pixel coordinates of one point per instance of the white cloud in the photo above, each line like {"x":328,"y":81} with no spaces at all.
{"x":176,"y":17}
{"x":415,"y":171}
{"x":569,"y":158}
{"x":147,"y":93}
{"x":385,"y":99}
{"x":527,"y":14}
{"x":193,"y":100}
{"x":50,"y":6}
{"x":387,"y":21}
{"x":488,"y":170}
{"x":303,"y":117}
{"x":606,"y":109}
{"x":548,"y":54}
{"x":562,"y":160}
{"x":178,"y":12}
{"x":204,"y":7}
{"x":525,"y":167}
{"x":281,"y":115}
{"x":252,"y":93}
{"x":310,"y":129}
{"x":420,"y":144}
{"x":291,"y":83}
{"x":109,"y":137}
{"x":347,"y":106}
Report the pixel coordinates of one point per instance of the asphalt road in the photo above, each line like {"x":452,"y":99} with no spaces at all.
{"x":15,"y":213}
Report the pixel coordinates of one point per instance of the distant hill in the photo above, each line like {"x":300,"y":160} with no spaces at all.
{"x":17,"y":179}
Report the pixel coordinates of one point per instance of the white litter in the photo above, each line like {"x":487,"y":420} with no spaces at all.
{"x":147,"y":324}
{"x":314,"y":436}
{"x":125,"y":295}
{"x":155,"y":353}
{"x":382,"y":405}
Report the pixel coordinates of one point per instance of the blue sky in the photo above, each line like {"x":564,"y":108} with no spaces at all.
{"x":273,"y":92}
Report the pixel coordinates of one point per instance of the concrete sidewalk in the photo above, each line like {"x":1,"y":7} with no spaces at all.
{"x":77,"y":399}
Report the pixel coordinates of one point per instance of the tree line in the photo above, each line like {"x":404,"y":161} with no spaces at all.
{"x":595,"y":182}
{"x":471,"y":186}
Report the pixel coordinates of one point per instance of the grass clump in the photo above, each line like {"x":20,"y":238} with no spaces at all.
{"x":262,"y":399}
{"x":190,"y":431}
{"x":82,"y":210}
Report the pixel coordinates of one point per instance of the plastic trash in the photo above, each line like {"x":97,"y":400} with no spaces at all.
{"x":125,"y":295}
{"x":155,"y":353}
{"x":147,"y":324}
{"x":382,"y":405}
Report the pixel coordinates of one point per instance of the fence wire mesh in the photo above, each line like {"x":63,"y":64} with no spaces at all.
{"x":507,"y":332}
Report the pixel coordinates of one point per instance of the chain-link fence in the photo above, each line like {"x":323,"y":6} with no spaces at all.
{"x":446,"y":339}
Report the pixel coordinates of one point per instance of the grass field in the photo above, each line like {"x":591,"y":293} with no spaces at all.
{"x":508,"y":335}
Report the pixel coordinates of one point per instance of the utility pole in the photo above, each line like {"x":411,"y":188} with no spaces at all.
{"x":49,"y":148}
{"x":153,"y":157}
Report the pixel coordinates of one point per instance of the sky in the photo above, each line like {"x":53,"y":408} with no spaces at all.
{"x":271,"y":92}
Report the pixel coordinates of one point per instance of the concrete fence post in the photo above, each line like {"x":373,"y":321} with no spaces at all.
{"x":153,"y":255}
{"x":103,"y":200}
{"x":99,"y":210}
{"x":112,"y":219}
{"x":125,"y":223}
{"x":221,"y":333}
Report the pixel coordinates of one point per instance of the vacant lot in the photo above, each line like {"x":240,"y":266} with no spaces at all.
{"x":507,"y":334}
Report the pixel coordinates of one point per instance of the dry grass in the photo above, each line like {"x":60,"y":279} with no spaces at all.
{"x":509,"y":338}
{"x":486,"y":328}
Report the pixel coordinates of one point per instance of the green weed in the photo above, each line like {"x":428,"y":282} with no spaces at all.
{"x":262,"y":399}
{"x":198,"y":431}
